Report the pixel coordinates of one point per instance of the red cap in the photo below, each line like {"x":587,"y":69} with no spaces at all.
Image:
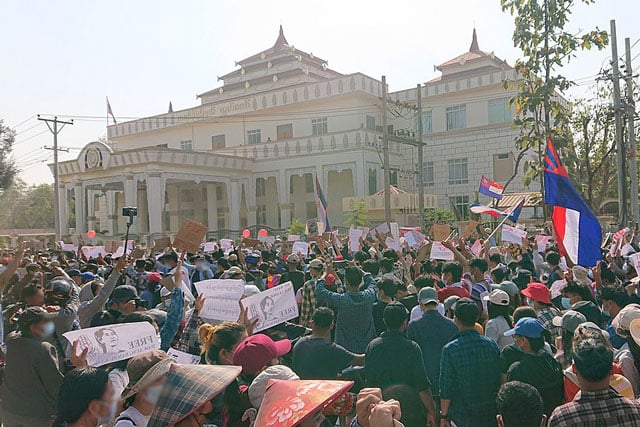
{"x":255,"y":352}
{"x":153,"y":278}
{"x":537,"y":292}
{"x":329,"y":279}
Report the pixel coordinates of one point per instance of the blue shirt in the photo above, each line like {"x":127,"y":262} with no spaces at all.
{"x":470,"y":371}
{"x":354,"y":319}
{"x":432,"y":332}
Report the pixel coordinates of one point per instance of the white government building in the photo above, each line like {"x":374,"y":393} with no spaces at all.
{"x":249,"y":154}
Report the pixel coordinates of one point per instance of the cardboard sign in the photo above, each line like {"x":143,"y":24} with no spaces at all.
{"x":161,"y":244}
{"x":137,"y":253}
{"x":250,"y":243}
{"x":438,"y":251}
{"x":513,"y":235}
{"x":190,"y":236}
{"x":300,"y":248}
{"x":221,"y":298}
{"x":183,"y":358}
{"x":272,"y":307}
{"x":470,"y":229}
{"x":423,"y":253}
{"x":440,"y":232}
{"x":112,"y":343}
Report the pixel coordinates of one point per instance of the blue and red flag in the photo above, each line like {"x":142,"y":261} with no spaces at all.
{"x":490,"y":188}
{"x":512,"y":213}
{"x":578,"y":231}
{"x":110,"y":111}
{"x":322,"y":207}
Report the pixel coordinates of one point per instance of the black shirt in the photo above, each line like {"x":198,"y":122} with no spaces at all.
{"x":319,"y":359}
{"x":296,"y":277}
{"x":378,"y":316}
{"x":394,"y":359}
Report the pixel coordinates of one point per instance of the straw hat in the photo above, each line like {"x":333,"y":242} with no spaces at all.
{"x":144,"y":369}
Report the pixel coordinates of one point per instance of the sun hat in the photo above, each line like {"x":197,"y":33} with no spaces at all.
{"x":187,"y":388}
{"x":538,"y":292}
{"x":526,"y":327}
{"x":427,"y":295}
{"x":569,"y":320}
{"x":258,"y":386}
{"x":255,"y":352}
{"x":497,"y":297}
{"x":287,"y":403}
{"x":624,"y":318}
{"x":144,"y":369}
{"x":634,"y":328}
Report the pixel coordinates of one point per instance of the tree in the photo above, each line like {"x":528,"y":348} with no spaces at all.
{"x":297,"y":227}
{"x":8,"y":168}
{"x":358,"y":216}
{"x":438,"y":216}
{"x":23,"y":206}
{"x":546,"y":46}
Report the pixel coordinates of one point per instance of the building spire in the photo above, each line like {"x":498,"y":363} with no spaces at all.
{"x":282,"y":40}
{"x":474,"y":43}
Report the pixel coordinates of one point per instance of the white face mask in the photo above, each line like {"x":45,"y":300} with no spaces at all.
{"x":113,"y":408}
{"x":152,"y":394}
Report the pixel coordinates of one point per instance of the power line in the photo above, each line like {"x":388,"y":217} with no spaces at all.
{"x":29,"y":128}
{"x":23,"y":122}
{"x":31,"y":137}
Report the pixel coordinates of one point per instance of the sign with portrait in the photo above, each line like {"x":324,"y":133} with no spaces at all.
{"x":272,"y":307}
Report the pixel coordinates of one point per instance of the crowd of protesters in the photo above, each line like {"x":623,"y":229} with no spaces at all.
{"x":513,"y":335}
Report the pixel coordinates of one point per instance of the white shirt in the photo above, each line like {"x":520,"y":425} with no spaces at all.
{"x":416,"y":312}
{"x":495,"y":329}
{"x":119,"y":380}
{"x":139,"y":420}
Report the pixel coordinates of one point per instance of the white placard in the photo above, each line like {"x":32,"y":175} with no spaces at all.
{"x":221,"y":298}
{"x":513,"y":235}
{"x":383,"y":228}
{"x":183,"y":358}
{"x":634,"y":259}
{"x":563,"y":264}
{"x":210,"y":246}
{"x":627,"y":250}
{"x":439,"y":251}
{"x":93,"y":251}
{"x":272,"y":307}
{"x":476,"y":248}
{"x":68,"y":247}
{"x":395,"y":230}
{"x":300,"y":248}
{"x":293,"y":237}
{"x":414,"y":238}
{"x":393,"y":243}
{"x":354,"y":239}
{"x":226,"y":245}
{"x":542,"y":241}
{"x":112,"y":343}
{"x":267,"y":239}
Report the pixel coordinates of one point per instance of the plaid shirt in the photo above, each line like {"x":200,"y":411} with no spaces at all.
{"x":189,"y":338}
{"x":545,"y":316}
{"x":470,"y":369}
{"x":597,"y":409}
{"x":309,"y":301}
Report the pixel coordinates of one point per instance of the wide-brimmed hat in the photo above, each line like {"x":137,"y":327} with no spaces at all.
{"x":287,"y":403}
{"x":144,"y":369}
{"x":624,"y":318}
{"x":634,"y":329}
{"x":187,"y":388}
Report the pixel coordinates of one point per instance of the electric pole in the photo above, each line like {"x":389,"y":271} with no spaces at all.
{"x":385,"y":152}
{"x":55,"y":130}
{"x":420,"y":158}
{"x":631,"y":141}
{"x":617,"y":110}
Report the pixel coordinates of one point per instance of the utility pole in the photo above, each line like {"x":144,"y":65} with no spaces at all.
{"x":385,"y":152}
{"x":55,"y":130}
{"x":631,"y":141}
{"x":617,"y":110}
{"x":420,"y":158}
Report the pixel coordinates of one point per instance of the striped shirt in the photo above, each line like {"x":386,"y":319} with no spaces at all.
{"x":597,"y":409}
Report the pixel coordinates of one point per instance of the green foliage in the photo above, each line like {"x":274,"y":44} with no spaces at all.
{"x":546,"y":46}
{"x":358,"y":216}
{"x":297,"y":227}
{"x":438,"y":216}
{"x":8,"y":169}
{"x":23,"y":206}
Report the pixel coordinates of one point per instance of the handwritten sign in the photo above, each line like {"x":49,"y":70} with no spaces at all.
{"x":183,"y":358}
{"x":354,"y":239}
{"x":273,"y":306}
{"x":161,"y":243}
{"x":221,"y":298}
{"x":210,"y":247}
{"x":137,"y":253}
{"x":439,"y":251}
{"x":440,"y":232}
{"x":414,"y":238}
{"x":300,"y":248}
{"x":513,"y":235}
{"x":383,"y":228}
{"x":395,"y":230}
{"x":93,"y":251}
{"x":112,"y":343}
{"x":190,"y":236}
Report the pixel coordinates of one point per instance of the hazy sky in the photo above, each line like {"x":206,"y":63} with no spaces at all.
{"x":63,"y":57}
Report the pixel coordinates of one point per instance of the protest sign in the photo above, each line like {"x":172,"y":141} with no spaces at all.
{"x":226,"y":245}
{"x":69,"y":247}
{"x":393,"y":243}
{"x":190,"y":236}
{"x":476,"y":248}
{"x":293,"y":238}
{"x":267,"y":239}
{"x":300,"y":248}
{"x":382,"y":228}
{"x":423,"y":253}
{"x":183,"y":358}
{"x":93,"y":251}
{"x":209,"y":247}
{"x":112,"y":343}
{"x":221,"y":298}
{"x":395,"y":230}
{"x":312,"y":227}
{"x":137,"y":253}
{"x":438,"y":251}
{"x":541,"y":242}
{"x":250,"y":243}
{"x":513,"y":235}
{"x":414,"y":238}
{"x":354,"y":239}
{"x":161,"y":244}
{"x":440,"y":232}
{"x":635,"y":261}
{"x":627,"y":250}
{"x":286,"y":248}
{"x":111,"y":246}
{"x":470,"y":229}
{"x":272,"y":307}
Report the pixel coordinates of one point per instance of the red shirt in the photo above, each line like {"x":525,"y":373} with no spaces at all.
{"x":455,"y":289}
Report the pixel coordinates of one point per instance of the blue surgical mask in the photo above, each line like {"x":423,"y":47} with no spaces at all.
{"x":48,"y":329}
{"x":566,"y":303}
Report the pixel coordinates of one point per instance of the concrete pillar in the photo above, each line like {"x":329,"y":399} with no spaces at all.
{"x":234,"y":196}
{"x":111,"y":198}
{"x":212,"y":206}
{"x":80,"y":211}
{"x":131,"y":198}
{"x":285,"y":215}
{"x":155,"y":198}
{"x":174,"y":193}
{"x":64,"y":209}
{"x":252,"y":216}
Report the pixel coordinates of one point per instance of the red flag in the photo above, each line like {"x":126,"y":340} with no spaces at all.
{"x":110,"y":111}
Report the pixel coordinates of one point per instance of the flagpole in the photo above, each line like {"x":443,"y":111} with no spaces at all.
{"x":503,"y":221}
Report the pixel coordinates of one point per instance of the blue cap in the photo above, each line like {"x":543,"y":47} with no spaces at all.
{"x":87,"y":277}
{"x":74,"y":272}
{"x":526,"y":327}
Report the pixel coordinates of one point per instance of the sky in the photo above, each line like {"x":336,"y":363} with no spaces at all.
{"x":64,"y":57}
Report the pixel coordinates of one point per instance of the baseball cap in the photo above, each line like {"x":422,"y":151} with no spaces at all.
{"x":87,"y":277}
{"x":316,"y":263}
{"x":252,"y":259}
{"x":33,"y":315}
{"x":124,"y":293}
{"x":259,"y":385}
{"x":427,"y":295}
{"x":569,"y":320}
{"x":293,"y":259}
{"x":526,"y":327}
{"x":255,"y":352}
{"x":169,"y":256}
{"x":450,"y":302}
{"x":538,"y":292}
{"x":73,"y":272}
{"x":330,"y":279}
{"x":624,"y":318}
{"x":497,"y":297}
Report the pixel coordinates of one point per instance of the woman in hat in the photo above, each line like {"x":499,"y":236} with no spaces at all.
{"x":500,"y":319}
{"x":147,"y":373}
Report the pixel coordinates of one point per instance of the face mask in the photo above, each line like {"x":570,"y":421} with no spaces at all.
{"x":48,"y":329}
{"x":152,"y":395}
{"x":113,"y":407}
{"x":529,"y":302}
{"x":202,"y":267}
{"x":566,"y":303}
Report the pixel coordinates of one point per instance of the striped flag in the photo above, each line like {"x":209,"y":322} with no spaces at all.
{"x":578,"y":231}
{"x":513,"y":213}
{"x":322,"y":207}
{"x":110,"y":111}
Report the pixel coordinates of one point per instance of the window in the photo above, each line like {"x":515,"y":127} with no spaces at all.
{"x":427,"y":174}
{"x":456,"y":117}
{"x":218,"y":142}
{"x":461,"y":204}
{"x":261,"y":214}
{"x":162,"y":145}
{"x":291,"y":181}
{"x":371,"y":122}
{"x":499,"y":111}
{"x":261,"y":187}
{"x":393,"y":177}
{"x":308,"y":183}
{"x":312,"y":211}
{"x":218,"y":193}
{"x":186,"y":145}
{"x":319,"y":126}
{"x":373,"y":181}
{"x":254,"y":136}
{"x":187,"y":195}
{"x":458,"y":171}
{"x":284,"y":132}
{"x":502,"y":166}
{"x":426,"y":122}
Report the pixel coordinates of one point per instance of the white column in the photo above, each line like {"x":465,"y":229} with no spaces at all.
{"x":212,"y":206}
{"x":80,"y":213}
{"x":233,"y":196}
{"x":91,"y":211}
{"x":154,"y":201}
{"x":131,"y":198}
{"x":283,"y":200}
{"x":64,"y":209}
{"x":111,"y":198}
